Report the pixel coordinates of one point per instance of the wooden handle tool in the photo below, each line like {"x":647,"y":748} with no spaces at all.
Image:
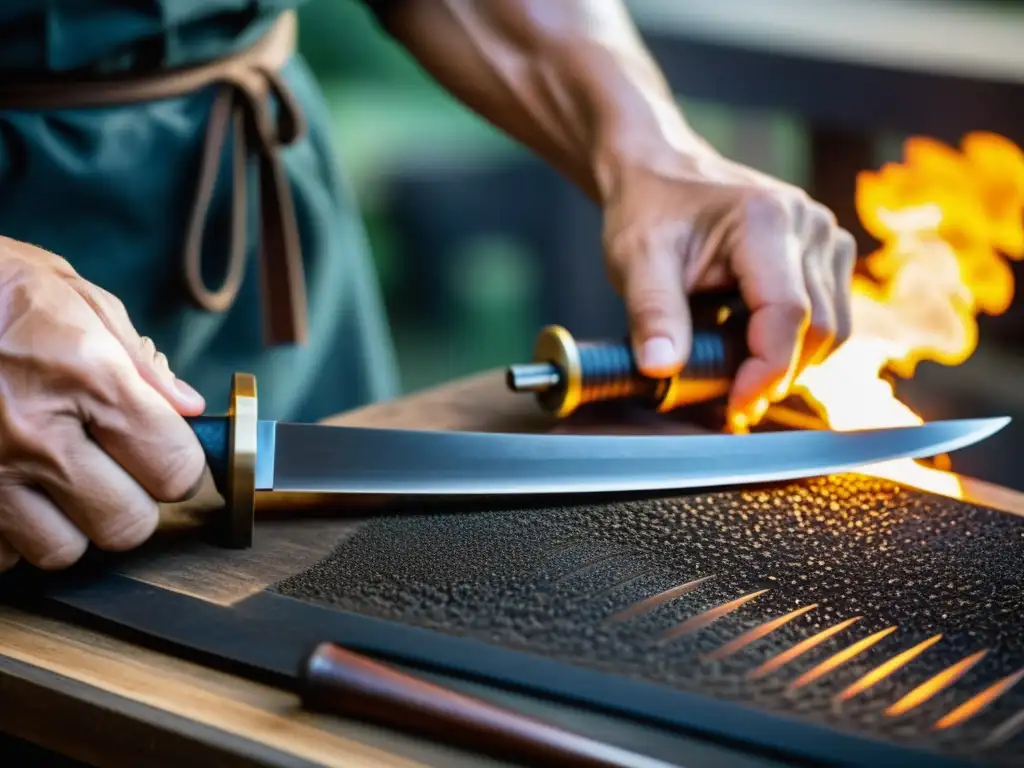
{"x":341,"y":682}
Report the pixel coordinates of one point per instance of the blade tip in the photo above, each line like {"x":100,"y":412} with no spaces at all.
{"x":991,"y":424}
{"x":998,"y":423}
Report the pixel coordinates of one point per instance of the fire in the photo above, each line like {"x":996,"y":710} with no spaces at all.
{"x":947,"y":221}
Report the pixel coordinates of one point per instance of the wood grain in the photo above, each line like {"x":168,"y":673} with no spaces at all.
{"x":202,"y":716}
{"x":347,"y":683}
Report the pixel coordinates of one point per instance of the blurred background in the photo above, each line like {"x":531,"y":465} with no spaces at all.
{"x":478,"y":244}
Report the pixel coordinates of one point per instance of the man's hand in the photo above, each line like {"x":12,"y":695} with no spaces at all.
{"x":700,"y":222}
{"x":91,"y":427}
{"x":573,"y":81}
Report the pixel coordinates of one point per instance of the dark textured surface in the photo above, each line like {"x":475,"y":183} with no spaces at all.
{"x":547,"y":581}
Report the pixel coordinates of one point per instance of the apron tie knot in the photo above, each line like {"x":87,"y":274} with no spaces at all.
{"x":243,"y":107}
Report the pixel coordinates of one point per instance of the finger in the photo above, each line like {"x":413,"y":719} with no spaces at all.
{"x":103,"y":500}
{"x":843,"y":265}
{"x":818,"y":279}
{"x":821,"y":329}
{"x":9,"y":556}
{"x":151,"y":364}
{"x":137,"y":427}
{"x":767,"y":259}
{"x":659,"y":316}
{"x":37,"y":530}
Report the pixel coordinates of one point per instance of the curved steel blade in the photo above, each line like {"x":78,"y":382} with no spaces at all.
{"x":324,"y":459}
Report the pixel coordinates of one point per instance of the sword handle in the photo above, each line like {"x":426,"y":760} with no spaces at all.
{"x":229,"y":442}
{"x":337,"y":681}
{"x":567,"y":373}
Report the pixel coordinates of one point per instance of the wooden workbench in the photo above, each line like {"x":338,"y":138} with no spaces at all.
{"x":111,"y":703}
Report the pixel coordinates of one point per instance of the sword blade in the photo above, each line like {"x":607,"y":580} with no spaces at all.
{"x":359,"y":460}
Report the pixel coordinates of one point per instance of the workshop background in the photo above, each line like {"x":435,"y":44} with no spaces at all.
{"x":474,"y":238}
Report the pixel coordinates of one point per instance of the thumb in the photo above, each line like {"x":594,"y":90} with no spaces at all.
{"x":151,"y":364}
{"x":659,"y":317}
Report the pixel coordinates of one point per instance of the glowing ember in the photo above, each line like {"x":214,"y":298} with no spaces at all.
{"x":947,"y":221}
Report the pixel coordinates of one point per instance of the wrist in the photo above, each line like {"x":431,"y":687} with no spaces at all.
{"x":632,"y":142}
{"x":616,"y":114}
{"x":620,"y":161}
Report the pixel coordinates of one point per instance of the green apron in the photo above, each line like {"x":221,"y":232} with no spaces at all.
{"x":110,"y":190}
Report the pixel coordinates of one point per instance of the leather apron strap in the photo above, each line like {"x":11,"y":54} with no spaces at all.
{"x":242,"y":106}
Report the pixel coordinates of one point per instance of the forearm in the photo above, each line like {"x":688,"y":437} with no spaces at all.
{"x":570,"y":79}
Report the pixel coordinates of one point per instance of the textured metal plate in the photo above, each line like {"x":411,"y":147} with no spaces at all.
{"x":843,"y":602}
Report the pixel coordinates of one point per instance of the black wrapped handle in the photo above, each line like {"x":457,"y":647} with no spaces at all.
{"x":567,"y":374}
{"x":214,"y":433}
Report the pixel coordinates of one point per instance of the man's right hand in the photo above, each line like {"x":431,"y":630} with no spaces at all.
{"x":91,"y":427}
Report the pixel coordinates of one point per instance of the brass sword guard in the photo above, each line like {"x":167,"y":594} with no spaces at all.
{"x":230,"y":442}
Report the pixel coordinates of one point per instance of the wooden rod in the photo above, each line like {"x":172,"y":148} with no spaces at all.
{"x":338,"y":681}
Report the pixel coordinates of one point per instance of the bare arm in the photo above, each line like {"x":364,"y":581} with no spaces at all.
{"x":572,"y":80}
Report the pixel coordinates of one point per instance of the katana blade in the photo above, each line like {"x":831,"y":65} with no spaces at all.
{"x":247,"y":456}
{"x":349,"y":460}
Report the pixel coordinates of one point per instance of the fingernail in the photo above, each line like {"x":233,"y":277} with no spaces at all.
{"x":658,"y":354}
{"x":188,"y":393}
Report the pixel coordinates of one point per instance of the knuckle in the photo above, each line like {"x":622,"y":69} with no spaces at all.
{"x":33,"y":443}
{"x":629,"y":246}
{"x":126,"y":530}
{"x":845,"y":250}
{"x":616,"y":247}
{"x":820,"y":217}
{"x":175,"y":478}
{"x":146,"y":349}
{"x":767,"y":209}
{"x":113,"y":302}
{"x":651,"y":307}
{"x":61,"y":556}
{"x":111,"y":384}
{"x":29,"y":290}
{"x":104,"y":300}
{"x":28,"y":436}
{"x":795,"y":311}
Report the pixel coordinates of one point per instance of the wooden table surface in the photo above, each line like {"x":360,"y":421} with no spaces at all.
{"x":111,"y":703}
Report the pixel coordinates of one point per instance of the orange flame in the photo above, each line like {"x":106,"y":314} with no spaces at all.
{"x":947,"y":221}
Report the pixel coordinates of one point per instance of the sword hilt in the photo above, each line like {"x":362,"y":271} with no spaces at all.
{"x":566,"y":373}
{"x":229,"y":442}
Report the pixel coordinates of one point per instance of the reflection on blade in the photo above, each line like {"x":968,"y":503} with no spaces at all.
{"x":321,"y":459}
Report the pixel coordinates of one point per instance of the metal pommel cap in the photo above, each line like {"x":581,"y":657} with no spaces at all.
{"x":556,"y":374}
{"x":566,"y":374}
